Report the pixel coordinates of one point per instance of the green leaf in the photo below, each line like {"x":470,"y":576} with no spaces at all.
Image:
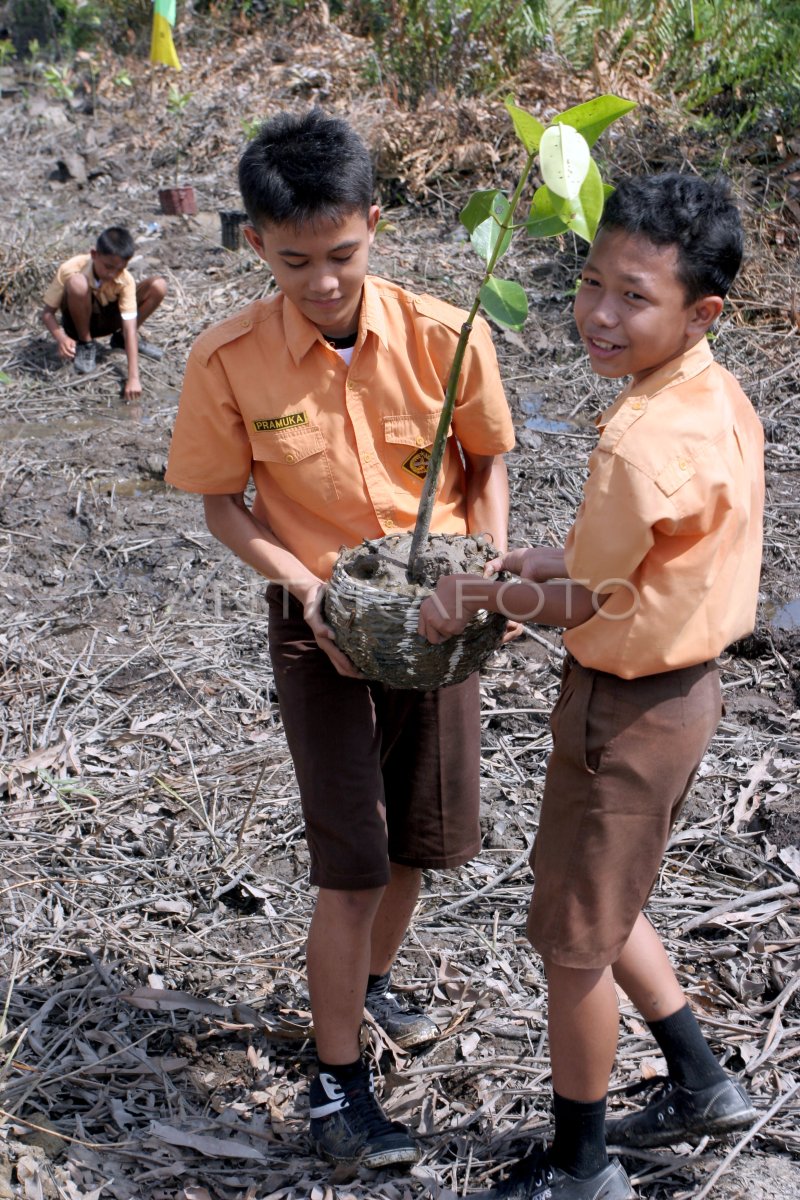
{"x":594,"y":116}
{"x":564,"y":158}
{"x":543,"y":220}
{"x":478,"y":209}
{"x":528,"y":129}
{"x":582,"y":213}
{"x":486,"y":236}
{"x":505,"y":302}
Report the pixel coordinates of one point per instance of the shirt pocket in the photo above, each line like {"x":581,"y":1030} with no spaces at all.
{"x":409,"y":438}
{"x":297,"y":461}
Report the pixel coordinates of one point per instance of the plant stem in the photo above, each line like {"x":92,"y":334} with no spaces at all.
{"x":425,"y":512}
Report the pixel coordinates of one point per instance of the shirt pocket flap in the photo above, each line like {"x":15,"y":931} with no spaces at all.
{"x":287,"y":446}
{"x":418,"y":430}
{"x":675,"y":474}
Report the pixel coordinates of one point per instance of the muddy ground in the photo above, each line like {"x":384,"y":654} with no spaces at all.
{"x":154,"y":894}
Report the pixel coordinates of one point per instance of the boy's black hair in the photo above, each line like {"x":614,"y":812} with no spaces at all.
{"x":695,"y":215}
{"x":116,"y":240}
{"x":304,"y":168}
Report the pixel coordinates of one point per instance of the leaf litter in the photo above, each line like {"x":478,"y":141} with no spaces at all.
{"x":154,"y":1025}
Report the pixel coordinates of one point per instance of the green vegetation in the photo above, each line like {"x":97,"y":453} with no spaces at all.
{"x":734,"y":63}
{"x":425,"y":46}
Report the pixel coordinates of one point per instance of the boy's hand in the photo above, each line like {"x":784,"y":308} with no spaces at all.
{"x":66,"y":346}
{"x":133,"y":388}
{"x":537,"y":563}
{"x":324,"y":636}
{"x":451,"y":608}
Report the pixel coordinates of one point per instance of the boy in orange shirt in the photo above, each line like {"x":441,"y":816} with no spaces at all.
{"x":327,"y":395}
{"x":96,"y":295}
{"x":659,"y":573}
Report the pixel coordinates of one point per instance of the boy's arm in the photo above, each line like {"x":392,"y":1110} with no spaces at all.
{"x":130,"y":335}
{"x":231,"y":522}
{"x":66,"y":344}
{"x":487,"y":496}
{"x":542,"y":594}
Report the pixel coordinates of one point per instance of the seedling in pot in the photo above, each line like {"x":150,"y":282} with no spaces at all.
{"x":176,"y":107}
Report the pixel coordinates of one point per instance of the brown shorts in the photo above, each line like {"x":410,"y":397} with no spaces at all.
{"x":625,"y":753}
{"x":385,"y":775}
{"x":105,"y":319}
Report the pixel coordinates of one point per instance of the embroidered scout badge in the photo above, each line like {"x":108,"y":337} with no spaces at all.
{"x":417,"y":463}
{"x":289,"y":421}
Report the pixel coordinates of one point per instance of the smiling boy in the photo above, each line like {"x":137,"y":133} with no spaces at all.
{"x":327,"y":395}
{"x":659,"y":573}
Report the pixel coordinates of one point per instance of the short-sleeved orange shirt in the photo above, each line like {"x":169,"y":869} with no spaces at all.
{"x":337,"y":453}
{"x":122,"y":289}
{"x":671,"y":522}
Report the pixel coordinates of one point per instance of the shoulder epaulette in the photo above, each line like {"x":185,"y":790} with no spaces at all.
{"x":227,"y":331}
{"x":439,"y":310}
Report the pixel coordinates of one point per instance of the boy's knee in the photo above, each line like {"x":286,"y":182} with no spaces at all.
{"x":76,"y":286}
{"x":349,"y":905}
{"x":156,"y":288}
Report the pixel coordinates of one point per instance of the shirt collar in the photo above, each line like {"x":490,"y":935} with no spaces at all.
{"x":96,"y":283}
{"x":673,"y":373}
{"x":301,"y":334}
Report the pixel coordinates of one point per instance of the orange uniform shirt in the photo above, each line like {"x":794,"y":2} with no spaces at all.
{"x":122,"y":289}
{"x":671,"y":522}
{"x":337,"y":453}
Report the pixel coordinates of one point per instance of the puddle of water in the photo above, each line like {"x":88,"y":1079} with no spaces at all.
{"x":137,"y":487}
{"x":788,"y":617}
{"x":11,"y":431}
{"x":531,"y":404}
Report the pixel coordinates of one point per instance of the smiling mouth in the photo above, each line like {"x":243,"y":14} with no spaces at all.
{"x":604,"y":346}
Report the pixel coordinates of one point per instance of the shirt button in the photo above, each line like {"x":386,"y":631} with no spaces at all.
{"x":289,"y":458}
{"x":367,"y":458}
{"x":682,"y":464}
{"x":389,"y":523}
{"x":420,"y":441}
{"x":637,"y":404}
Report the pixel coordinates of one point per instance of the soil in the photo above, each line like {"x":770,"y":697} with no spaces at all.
{"x":384,"y":564}
{"x":156,"y":899}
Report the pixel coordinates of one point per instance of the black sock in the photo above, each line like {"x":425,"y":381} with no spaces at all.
{"x":579,"y":1147}
{"x":343,"y":1072}
{"x":689,"y":1059}
{"x":374,"y":980}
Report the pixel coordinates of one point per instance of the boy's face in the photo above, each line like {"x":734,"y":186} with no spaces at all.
{"x":320,"y":267}
{"x":107,"y":266}
{"x":631,"y":308}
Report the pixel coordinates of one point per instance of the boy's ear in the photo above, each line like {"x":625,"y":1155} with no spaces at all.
{"x":703,"y":313}
{"x":254,"y":238}
{"x":372,"y":220}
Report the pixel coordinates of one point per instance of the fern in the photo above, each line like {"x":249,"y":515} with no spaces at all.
{"x":737,"y":59}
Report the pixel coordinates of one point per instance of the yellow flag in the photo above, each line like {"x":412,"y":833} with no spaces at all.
{"x":162,"y":48}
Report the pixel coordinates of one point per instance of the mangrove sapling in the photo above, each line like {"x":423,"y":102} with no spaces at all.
{"x":570,"y":198}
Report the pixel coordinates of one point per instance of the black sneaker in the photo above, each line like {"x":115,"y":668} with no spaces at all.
{"x":536,"y":1178}
{"x":676,"y":1113}
{"x":348,"y":1124}
{"x":147,"y":349}
{"x":85,"y":358}
{"x":406,"y":1026}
